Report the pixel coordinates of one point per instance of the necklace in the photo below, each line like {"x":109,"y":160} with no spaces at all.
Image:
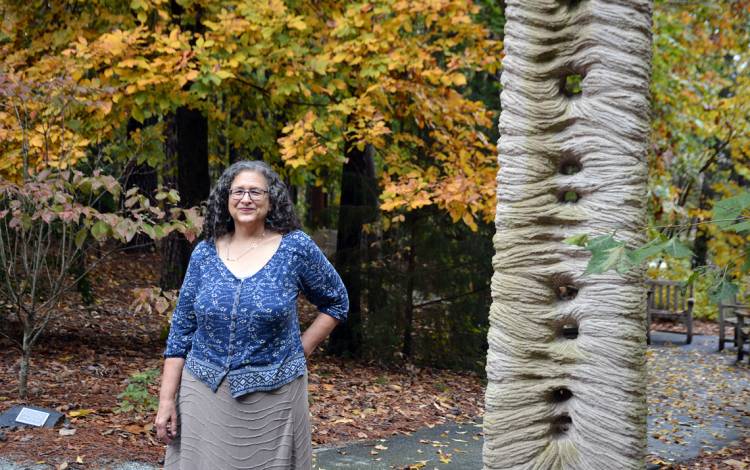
{"x":253,"y":245}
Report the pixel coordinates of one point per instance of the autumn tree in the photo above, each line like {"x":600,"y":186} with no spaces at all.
{"x":391,"y":100}
{"x":701,"y":138}
{"x":313,"y":88}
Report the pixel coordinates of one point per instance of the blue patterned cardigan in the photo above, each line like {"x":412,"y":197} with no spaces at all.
{"x":247,"y":329}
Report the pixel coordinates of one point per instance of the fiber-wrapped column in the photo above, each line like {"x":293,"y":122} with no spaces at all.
{"x":565,"y":367}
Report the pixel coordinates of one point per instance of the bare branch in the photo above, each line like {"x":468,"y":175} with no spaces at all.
{"x":452,"y":297}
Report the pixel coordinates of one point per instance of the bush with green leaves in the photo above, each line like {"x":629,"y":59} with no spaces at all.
{"x":52,"y":223}
{"x":136,"y":396}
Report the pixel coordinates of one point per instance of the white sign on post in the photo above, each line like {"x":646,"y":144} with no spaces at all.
{"x":32,"y":417}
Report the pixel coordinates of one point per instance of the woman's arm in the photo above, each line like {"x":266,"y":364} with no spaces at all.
{"x":179,"y":343}
{"x":321,"y":285}
{"x":317,"y":332}
{"x":166,"y":416}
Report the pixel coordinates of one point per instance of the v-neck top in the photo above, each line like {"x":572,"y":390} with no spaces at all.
{"x":256,"y":272}
{"x":246,"y":329}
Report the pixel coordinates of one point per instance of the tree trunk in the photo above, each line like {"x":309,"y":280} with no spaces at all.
{"x":700,"y":247}
{"x":143,"y":177}
{"x":317,"y":204}
{"x":193,"y":184}
{"x":358,"y":206}
{"x":566,"y":379}
{"x":407,"y":349}
{"x":83,"y":284}
{"x":23,"y":371}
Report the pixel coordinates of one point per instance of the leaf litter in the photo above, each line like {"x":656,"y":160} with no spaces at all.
{"x":88,"y":354}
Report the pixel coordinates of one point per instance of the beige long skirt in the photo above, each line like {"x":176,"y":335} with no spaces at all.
{"x":260,"y":430}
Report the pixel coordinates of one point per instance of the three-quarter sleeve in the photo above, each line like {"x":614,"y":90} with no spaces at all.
{"x":184,"y":322}
{"x":321,"y":284}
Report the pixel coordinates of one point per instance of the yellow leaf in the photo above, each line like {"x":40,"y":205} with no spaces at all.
{"x":297,"y":23}
{"x":459,"y":79}
{"x":36,"y":141}
{"x":344,"y":421}
{"x":106,"y":106}
{"x":82,"y":412}
{"x":469,"y":220}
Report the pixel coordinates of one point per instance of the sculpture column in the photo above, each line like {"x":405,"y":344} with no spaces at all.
{"x":566,"y":362}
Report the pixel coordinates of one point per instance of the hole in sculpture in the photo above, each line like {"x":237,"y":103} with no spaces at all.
{"x":564,"y":287}
{"x":568,"y":330}
{"x":572,"y":4}
{"x":569,"y":196}
{"x":561,"y":424}
{"x":570,"y":167}
{"x":560,"y":395}
{"x":566,"y":292}
{"x":572,"y":85}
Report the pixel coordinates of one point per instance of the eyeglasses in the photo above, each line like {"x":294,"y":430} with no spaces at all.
{"x":256,"y":194}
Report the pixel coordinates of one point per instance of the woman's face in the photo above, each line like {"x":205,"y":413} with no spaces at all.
{"x":252,"y":206}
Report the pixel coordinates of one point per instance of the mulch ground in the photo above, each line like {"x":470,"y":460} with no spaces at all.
{"x":89,"y":352}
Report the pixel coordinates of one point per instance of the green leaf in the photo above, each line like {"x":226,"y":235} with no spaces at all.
{"x":727,"y":210}
{"x":606,"y":253}
{"x":149,"y":231}
{"x":650,"y":249}
{"x":746,"y":265}
{"x":99,"y":230}
{"x":85,"y":186}
{"x":725,"y":291}
{"x":173,"y":196}
{"x":138,"y":115}
{"x":677,"y":249}
{"x":603,"y":242}
{"x":740,"y":227}
{"x":80,"y":238}
{"x":578,"y":240}
{"x":26,"y":222}
{"x":159,"y":232}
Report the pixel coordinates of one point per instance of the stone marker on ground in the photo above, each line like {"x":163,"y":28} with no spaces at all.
{"x":27,"y":415}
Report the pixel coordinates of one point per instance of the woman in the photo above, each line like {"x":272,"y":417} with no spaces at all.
{"x":234,"y":370}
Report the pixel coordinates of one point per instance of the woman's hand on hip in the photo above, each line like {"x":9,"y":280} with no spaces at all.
{"x":321,"y":327}
{"x":166,"y":421}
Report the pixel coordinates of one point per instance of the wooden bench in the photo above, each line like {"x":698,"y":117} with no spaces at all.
{"x":742,"y":331}
{"x":728,"y":318}
{"x":670,"y":300}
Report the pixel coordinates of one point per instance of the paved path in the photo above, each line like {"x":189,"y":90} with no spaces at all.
{"x":697,"y":400}
{"x":452,"y":446}
{"x":679,"y":425}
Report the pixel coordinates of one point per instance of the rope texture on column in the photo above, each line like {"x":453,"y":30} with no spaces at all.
{"x":569,"y":164}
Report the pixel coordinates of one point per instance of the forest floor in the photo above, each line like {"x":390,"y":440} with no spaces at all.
{"x":86,"y":357}
{"x":88,"y":354}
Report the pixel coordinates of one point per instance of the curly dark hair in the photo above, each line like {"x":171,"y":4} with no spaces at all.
{"x":281,"y":216}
